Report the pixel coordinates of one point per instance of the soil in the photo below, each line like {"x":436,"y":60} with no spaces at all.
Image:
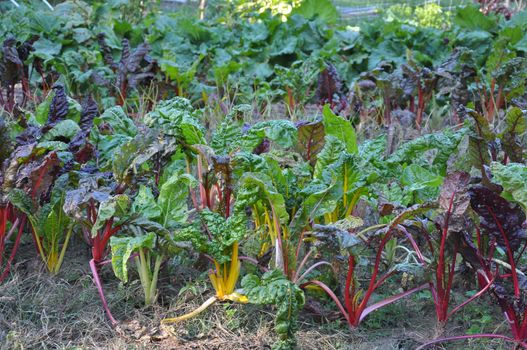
{"x":39,"y":311}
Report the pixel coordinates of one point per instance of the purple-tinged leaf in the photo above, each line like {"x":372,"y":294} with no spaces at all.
{"x":310,"y":139}
{"x":329,"y":85}
{"x":499,"y":218}
{"x":58,"y":110}
{"x":106,"y":51}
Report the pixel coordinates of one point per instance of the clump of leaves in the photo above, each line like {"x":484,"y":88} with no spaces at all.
{"x":221,"y":243}
{"x":273,"y":288}
{"x":356,"y":300}
{"x":500,"y":225}
{"x":14,"y":70}
{"x":134,"y":67}
{"x":51,"y":227}
{"x":145,"y":252}
{"x":330,"y":89}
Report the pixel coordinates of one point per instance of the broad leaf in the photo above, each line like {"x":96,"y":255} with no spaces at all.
{"x":499,"y":218}
{"x":122,"y":249}
{"x":273,"y":288}
{"x":513,"y":178}
{"x":339,"y":128}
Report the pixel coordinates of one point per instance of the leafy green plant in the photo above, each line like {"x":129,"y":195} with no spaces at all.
{"x":147,"y":262}
{"x":133,"y":67}
{"x":356,"y":304}
{"x":273,"y":288}
{"x":51,"y":227}
{"x":221,"y":243}
{"x":454,"y":201}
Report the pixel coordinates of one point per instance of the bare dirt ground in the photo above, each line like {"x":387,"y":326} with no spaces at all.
{"x":39,"y":311}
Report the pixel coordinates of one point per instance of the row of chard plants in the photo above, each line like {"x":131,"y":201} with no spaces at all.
{"x":278,"y":209}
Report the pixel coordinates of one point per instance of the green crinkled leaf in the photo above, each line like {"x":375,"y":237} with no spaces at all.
{"x":111,"y":130}
{"x":418,"y":179}
{"x":65,"y":129}
{"x":516,"y":125}
{"x":340,"y":128}
{"x":283,"y":44}
{"x":176,"y":117}
{"x":444,"y":144}
{"x":116,"y":206}
{"x":323,"y":9}
{"x":513,"y":178}
{"x":224,"y":233}
{"x":172,"y":200}
{"x":282,"y":132}
{"x":46,"y":49}
{"x":81,"y":35}
{"x":330,"y":153}
{"x":21,"y":201}
{"x":319,"y":199}
{"x":254,"y":187}
{"x":470,"y":17}
{"x":117,"y":119}
{"x":247,"y":162}
{"x":227,"y":137}
{"x":145,"y":203}
{"x":273,"y":288}
{"x":122,"y":249}
{"x":131,"y":155}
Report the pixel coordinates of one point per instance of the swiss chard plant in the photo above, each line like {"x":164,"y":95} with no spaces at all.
{"x":146,"y":260}
{"x":444,"y":245}
{"x":219,"y":239}
{"x":273,"y":288}
{"x":35,"y":174}
{"x":492,"y":248}
{"x":51,"y":227}
{"x":152,"y":244}
{"x":15,"y":70}
{"x":133,"y":67}
{"x":357,"y":300}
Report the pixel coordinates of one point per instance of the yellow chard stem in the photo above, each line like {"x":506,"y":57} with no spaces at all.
{"x":63,"y":251}
{"x":272,"y":234}
{"x":196,"y":312}
{"x":256,"y":217}
{"x":218,"y":280}
{"x":142,"y":263}
{"x":234,"y":270}
{"x":41,"y":252}
{"x":225,"y":277}
{"x":214,"y":282}
{"x":354,"y":200}
{"x":153,"y":282}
